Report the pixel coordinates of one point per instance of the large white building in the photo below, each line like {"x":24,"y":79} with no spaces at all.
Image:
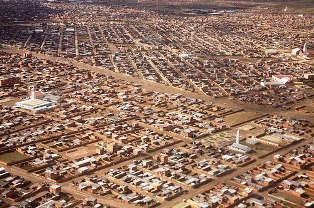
{"x":240,"y":147}
{"x":33,"y":103}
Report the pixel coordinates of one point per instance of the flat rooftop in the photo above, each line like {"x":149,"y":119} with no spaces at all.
{"x":33,"y":104}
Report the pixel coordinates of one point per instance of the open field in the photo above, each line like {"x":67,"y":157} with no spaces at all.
{"x":241,"y":117}
{"x":81,"y":151}
{"x":260,"y":149}
{"x":10,"y":101}
{"x":12,"y":157}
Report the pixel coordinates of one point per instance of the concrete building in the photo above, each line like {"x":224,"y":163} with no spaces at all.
{"x":33,"y":103}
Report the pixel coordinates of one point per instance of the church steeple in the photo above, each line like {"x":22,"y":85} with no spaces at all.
{"x":238,"y":136}
{"x":305,"y":48}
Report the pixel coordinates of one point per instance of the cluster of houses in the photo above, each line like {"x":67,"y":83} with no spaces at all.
{"x":18,"y":192}
{"x":221,"y":195}
{"x":24,"y":135}
{"x":263,"y":176}
{"x":13,"y":120}
{"x":111,"y":190}
{"x":149,"y":183}
{"x":300,"y":187}
{"x":126,"y":121}
{"x":216,"y":153}
{"x":136,"y":138}
{"x":97,"y":121}
{"x":278,"y":124}
{"x":299,"y":158}
{"x":176,"y":57}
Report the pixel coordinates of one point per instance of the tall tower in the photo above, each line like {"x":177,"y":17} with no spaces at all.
{"x":305,"y":48}
{"x":32,"y":89}
{"x":238,"y":136}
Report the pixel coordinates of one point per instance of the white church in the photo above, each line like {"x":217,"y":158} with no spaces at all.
{"x":239,"y":147}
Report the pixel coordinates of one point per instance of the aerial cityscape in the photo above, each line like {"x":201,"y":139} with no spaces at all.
{"x":166,"y":104}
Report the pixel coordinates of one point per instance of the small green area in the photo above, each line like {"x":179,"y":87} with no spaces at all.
{"x":12,"y":157}
{"x":181,"y":205}
{"x":64,"y":196}
{"x":27,"y":167}
{"x":116,"y":159}
{"x":259,"y":149}
{"x":209,"y":139}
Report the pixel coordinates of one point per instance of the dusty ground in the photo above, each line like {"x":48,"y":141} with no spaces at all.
{"x":81,"y":151}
